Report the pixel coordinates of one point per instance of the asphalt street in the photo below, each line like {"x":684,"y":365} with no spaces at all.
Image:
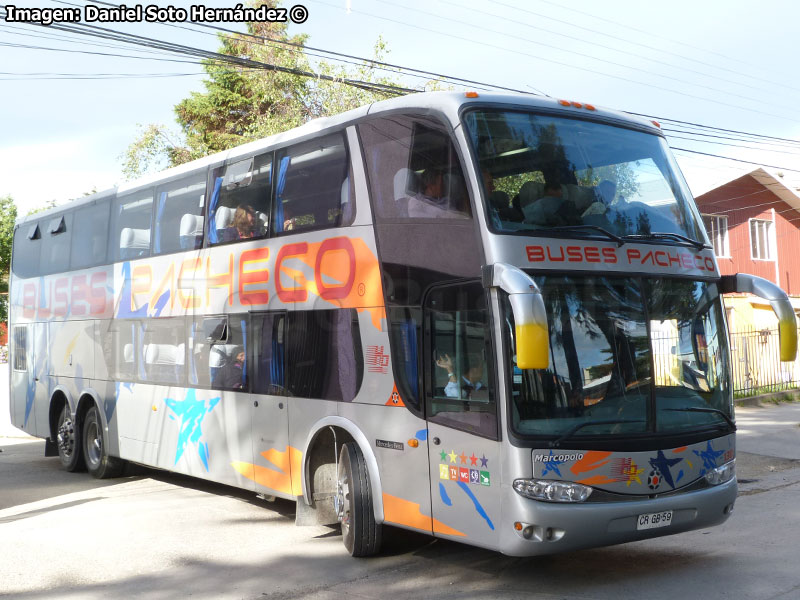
{"x":156,"y":535}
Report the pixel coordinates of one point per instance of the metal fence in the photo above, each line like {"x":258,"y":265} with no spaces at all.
{"x":756,"y":363}
{"x":756,"y":367}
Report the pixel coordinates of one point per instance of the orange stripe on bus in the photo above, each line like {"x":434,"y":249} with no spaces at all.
{"x":681,"y":449}
{"x":590,"y":461}
{"x":288,"y":463}
{"x":404,"y":512}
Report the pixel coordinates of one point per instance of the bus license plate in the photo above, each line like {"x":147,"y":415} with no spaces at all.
{"x":653,"y":520}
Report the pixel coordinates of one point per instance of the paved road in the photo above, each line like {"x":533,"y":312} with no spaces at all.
{"x":156,"y":535}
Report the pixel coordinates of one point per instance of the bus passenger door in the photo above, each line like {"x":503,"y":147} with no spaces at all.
{"x":463,"y":432}
{"x":273,"y":458}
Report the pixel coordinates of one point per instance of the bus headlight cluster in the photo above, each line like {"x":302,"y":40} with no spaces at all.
{"x":722,"y":474}
{"x":552,"y":491}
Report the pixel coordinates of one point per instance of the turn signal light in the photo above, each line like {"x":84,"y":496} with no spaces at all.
{"x":471,"y":94}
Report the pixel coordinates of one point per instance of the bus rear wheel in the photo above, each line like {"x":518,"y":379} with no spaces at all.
{"x":98,"y":462}
{"x":360,"y":533}
{"x":68,"y":442}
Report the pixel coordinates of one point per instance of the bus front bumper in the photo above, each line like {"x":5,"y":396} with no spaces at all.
{"x":531,"y":527}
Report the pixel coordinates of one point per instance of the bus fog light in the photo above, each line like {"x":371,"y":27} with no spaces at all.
{"x":552,"y":491}
{"x":722,"y":474}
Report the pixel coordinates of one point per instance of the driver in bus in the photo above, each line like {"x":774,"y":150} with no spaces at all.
{"x":472,"y":384}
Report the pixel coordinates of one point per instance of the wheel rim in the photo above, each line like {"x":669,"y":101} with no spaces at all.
{"x":94,"y":443}
{"x":342,"y":502}
{"x":66,"y":436}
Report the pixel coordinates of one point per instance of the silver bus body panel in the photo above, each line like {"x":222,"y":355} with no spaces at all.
{"x":424,"y":476}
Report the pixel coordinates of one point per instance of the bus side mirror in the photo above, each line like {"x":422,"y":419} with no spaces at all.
{"x":777,"y":298}
{"x":532,"y":339}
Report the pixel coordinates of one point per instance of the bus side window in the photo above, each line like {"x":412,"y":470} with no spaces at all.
{"x":219,"y":360}
{"x":239,"y":207}
{"x":269,"y":365}
{"x":460,"y":378}
{"x":56,"y":243}
{"x":178,"y":223}
{"x":414,"y":170}
{"x":313,"y":187}
{"x":27,"y":248}
{"x":131,"y":216}
{"x":324,"y":355}
{"x":163,"y":351}
{"x":90,"y":235}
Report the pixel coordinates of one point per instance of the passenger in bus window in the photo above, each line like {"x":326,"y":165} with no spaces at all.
{"x":431,"y":203}
{"x":232,"y":374}
{"x":243,"y":226}
{"x":472,"y":384}
{"x":552,"y":209}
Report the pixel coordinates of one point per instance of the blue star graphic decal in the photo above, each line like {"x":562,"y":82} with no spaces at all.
{"x":663,"y":464}
{"x":191,"y":412}
{"x":551,"y":464}
{"x":709,"y":456}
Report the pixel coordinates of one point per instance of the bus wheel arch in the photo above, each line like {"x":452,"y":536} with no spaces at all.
{"x":321,"y":456}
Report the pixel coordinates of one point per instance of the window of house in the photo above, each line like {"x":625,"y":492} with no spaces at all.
{"x":240,"y":200}
{"x":717,"y":229}
{"x":762,"y":239}
{"x":179,"y":214}
{"x":90,"y":235}
{"x":323,"y":356}
{"x":313,"y":187}
{"x":131,"y":215}
{"x":460,"y":377}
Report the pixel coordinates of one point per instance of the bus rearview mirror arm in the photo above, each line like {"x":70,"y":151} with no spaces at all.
{"x":778,"y":300}
{"x":530,"y":317}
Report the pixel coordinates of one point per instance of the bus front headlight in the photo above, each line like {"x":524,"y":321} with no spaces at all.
{"x":552,"y":491}
{"x":722,"y":474}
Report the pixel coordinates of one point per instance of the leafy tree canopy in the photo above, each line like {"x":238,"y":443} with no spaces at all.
{"x":241,"y":104}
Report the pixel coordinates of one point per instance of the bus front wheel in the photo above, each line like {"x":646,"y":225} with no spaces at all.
{"x":360,"y":533}
{"x":68,"y":441}
{"x":98,"y":462}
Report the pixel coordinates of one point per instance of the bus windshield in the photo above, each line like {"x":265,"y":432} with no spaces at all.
{"x":628,"y":356}
{"x":542,"y":172}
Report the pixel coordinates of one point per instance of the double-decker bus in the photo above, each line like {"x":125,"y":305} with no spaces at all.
{"x":494,"y":319}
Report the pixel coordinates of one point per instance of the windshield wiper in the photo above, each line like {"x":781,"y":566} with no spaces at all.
{"x":665,"y":236}
{"x":597,"y":228}
{"x":716,"y":411}
{"x":555,"y":443}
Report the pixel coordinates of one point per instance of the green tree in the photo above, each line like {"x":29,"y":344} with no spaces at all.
{"x":8,"y":215}
{"x":242,"y":104}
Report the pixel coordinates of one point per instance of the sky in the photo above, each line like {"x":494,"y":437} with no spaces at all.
{"x":730,"y":65}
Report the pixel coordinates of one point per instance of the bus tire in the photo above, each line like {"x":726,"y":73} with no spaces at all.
{"x":360,"y":533}
{"x":99,"y":464}
{"x":68,"y":441}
